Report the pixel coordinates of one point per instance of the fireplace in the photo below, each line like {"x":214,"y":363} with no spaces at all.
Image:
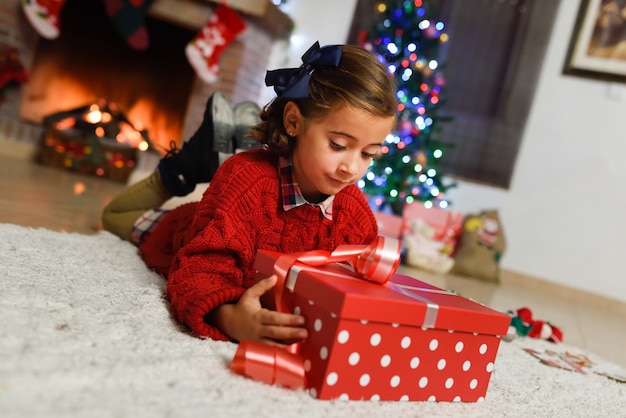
{"x":90,"y":62}
{"x":156,"y":89}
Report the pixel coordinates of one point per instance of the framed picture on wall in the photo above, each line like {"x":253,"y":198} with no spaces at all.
{"x":598,"y":44}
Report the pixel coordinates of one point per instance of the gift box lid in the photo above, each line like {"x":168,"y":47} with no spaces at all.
{"x":402,"y":300}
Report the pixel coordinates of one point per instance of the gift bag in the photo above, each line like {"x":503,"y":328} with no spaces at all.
{"x":480,"y":247}
{"x":389,"y":225}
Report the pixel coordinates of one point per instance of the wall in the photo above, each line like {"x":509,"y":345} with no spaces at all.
{"x":563,"y":214}
{"x":564,"y":211}
{"x":326,"y":21}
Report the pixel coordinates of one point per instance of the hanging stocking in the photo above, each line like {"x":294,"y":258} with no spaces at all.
{"x":11,"y":68}
{"x":204,"y":51}
{"x":128,"y":17}
{"x":44,"y":16}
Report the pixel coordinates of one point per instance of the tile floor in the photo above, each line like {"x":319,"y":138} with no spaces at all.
{"x":38,"y":196}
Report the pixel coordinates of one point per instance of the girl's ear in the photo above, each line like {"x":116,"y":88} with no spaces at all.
{"x":292,"y":118}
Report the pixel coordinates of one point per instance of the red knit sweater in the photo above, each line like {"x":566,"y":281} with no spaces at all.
{"x":207,"y":249}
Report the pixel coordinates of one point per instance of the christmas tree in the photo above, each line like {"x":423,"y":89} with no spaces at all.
{"x":407,"y":38}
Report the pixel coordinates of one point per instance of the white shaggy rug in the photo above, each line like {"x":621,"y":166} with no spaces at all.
{"x":85,"y":332}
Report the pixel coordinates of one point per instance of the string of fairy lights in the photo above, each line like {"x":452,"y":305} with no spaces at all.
{"x":407,"y":38}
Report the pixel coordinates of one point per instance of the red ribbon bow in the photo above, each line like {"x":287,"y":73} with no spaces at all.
{"x":270,"y":364}
{"x":376,"y":262}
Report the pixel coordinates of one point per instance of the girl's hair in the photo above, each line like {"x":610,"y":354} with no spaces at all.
{"x":359,"y":80}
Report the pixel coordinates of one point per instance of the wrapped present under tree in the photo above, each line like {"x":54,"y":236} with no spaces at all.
{"x":431,"y":236}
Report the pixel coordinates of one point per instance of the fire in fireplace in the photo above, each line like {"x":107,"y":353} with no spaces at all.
{"x":94,"y":139}
{"x":102,"y":119}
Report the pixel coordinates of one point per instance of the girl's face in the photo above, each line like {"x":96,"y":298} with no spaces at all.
{"x":334,"y":152}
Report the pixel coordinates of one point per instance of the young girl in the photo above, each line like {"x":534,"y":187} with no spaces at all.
{"x":297,"y":193}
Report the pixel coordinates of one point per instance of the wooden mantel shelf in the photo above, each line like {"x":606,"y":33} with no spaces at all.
{"x":193,"y":14}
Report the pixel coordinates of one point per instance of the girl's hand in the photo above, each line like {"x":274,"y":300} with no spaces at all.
{"x":248,"y":320}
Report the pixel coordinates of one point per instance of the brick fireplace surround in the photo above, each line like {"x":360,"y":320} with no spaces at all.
{"x":242,"y":67}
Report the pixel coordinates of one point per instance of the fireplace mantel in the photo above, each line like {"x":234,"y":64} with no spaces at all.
{"x":193,"y":14}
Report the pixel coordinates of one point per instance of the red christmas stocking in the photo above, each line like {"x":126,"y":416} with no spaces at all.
{"x":44,"y":16}
{"x":128,"y":17}
{"x":204,"y":51}
{"x":11,"y":68}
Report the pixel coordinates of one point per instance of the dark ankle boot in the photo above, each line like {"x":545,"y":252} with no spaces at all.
{"x":197,"y":160}
{"x":245,"y":116}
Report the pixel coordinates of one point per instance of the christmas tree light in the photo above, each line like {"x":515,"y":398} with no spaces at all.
{"x":407,"y":38}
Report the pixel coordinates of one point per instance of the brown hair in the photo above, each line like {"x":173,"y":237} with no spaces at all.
{"x":360,"y":81}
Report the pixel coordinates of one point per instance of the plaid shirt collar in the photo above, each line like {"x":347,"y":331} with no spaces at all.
{"x":292,"y":195}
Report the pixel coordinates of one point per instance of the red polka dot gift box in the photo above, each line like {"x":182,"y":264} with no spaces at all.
{"x":402,"y":340}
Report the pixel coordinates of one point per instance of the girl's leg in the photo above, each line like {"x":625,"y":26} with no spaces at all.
{"x":198,"y":159}
{"x":178,"y":172}
{"x":119,"y":216}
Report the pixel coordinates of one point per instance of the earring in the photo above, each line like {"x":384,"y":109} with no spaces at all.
{"x":291,"y":134}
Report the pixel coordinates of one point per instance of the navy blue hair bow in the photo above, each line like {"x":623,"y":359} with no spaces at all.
{"x":293,"y":83}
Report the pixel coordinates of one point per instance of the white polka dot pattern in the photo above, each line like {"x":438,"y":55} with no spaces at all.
{"x":365,"y":359}
{"x":317,"y":325}
{"x":343,"y":337}
{"x":433,"y":345}
{"x":332,"y":378}
{"x":354,"y":358}
{"x":377,"y":361}
{"x":385,"y":360}
{"x":324,"y":353}
{"x":406,"y":342}
{"x":415,"y":362}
